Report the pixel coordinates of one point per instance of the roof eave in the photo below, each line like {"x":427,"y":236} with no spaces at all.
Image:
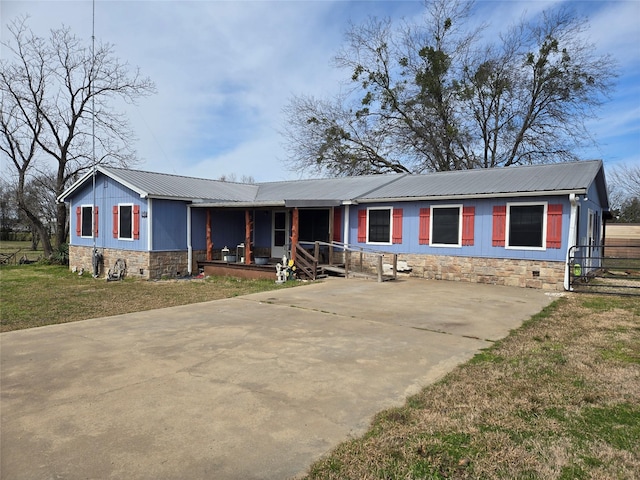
{"x":578,"y":191}
{"x":69,"y":191}
{"x":225,"y":204}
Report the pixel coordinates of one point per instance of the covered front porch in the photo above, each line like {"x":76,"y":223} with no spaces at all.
{"x":250,"y":241}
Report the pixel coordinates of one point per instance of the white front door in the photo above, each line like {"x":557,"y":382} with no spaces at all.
{"x":280,"y":234}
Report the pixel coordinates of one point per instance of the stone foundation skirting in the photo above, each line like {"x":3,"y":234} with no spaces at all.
{"x":544,"y":275}
{"x":149,"y":265}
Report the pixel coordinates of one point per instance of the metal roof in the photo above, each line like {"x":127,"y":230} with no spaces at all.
{"x":557,"y":178}
{"x":342,"y":188}
{"x":162,"y":185}
{"x":573,"y":177}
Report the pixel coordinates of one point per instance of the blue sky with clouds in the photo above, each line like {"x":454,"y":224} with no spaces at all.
{"x":225,"y":69}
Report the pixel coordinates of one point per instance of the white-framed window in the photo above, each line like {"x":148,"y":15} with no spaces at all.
{"x":125,"y":221}
{"x":526,"y":226}
{"x":446,"y":226}
{"x":86,"y":221}
{"x":379,"y":225}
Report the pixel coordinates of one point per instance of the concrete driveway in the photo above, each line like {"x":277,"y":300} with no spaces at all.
{"x":253,"y":387}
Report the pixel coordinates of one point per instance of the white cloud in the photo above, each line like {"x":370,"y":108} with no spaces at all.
{"x":224,"y":69}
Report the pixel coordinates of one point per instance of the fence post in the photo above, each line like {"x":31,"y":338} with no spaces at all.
{"x":395,"y":266}
{"x":379,"y":268}
{"x":347,"y":260}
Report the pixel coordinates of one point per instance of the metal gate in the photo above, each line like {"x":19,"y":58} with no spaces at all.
{"x":608,"y":269}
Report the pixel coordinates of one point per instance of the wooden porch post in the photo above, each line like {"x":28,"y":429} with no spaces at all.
{"x":248,"y":224}
{"x":209,"y":240}
{"x":294,"y":233}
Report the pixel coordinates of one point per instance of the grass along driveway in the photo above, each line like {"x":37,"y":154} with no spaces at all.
{"x":36,"y":295}
{"x":559,"y":398}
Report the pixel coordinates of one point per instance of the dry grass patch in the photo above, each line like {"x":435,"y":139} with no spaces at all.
{"x":559,"y":398}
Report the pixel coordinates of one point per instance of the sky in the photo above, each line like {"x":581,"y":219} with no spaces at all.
{"x":224,"y":70}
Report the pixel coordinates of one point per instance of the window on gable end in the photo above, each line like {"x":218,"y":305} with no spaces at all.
{"x":85,"y":220}
{"x":125,"y":222}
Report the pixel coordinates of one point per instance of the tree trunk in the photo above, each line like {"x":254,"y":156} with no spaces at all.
{"x":61,"y":225}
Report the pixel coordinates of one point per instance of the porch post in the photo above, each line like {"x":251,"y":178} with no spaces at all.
{"x":332,"y":215}
{"x":294,"y":234}
{"x":209,"y":240}
{"x":189,"y":245}
{"x":247,"y":237}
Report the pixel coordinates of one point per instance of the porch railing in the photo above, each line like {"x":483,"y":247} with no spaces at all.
{"x":345,"y":259}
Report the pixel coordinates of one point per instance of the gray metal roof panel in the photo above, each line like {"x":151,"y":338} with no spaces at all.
{"x":175,"y":186}
{"x":341,"y":188}
{"x":524,"y":180}
{"x":574,"y":176}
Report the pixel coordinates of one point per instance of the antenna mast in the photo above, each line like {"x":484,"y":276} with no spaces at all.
{"x":92,"y":77}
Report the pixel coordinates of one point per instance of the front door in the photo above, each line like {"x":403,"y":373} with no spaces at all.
{"x":280,"y":234}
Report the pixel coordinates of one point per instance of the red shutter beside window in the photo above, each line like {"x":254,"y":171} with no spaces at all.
{"x":78,"y":221}
{"x":554,"y":226}
{"x":397,"y":225}
{"x":499,"y":225}
{"x":337,"y":225}
{"x":115,"y":221}
{"x":423,"y":234}
{"x":362,"y":225}
{"x":468,"y":215}
{"x":136,"y":222}
{"x":95,"y":220}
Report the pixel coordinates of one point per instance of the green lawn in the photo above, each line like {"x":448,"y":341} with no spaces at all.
{"x":36,"y":295}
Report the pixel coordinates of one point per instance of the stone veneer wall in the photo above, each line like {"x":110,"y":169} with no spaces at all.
{"x":544,"y":275}
{"x":149,"y":265}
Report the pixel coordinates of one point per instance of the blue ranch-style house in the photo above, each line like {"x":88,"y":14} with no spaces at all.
{"x":508,"y":226}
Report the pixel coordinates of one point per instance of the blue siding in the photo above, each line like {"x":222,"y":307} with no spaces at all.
{"x":169,"y":225}
{"x":483,"y":230}
{"x":227,"y":228}
{"x":198,"y":228}
{"x":262,"y":228}
{"x":107,"y":194}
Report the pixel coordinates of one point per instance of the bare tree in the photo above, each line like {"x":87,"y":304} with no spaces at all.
{"x":56,"y":93}
{"x":437,"y":96}
{"x":626,"y":177}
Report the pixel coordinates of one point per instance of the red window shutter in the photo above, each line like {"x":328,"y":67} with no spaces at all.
{"x":362,"y":225}
{"x":397,"y":225}
{"x":499,"y":225}
{"x":78,"y":221}
{"x":136,"y":222}
{"x":554,"y":226}
{"x":95,"y":221}
{"x":337,"y":225}
{"x":423,"y":235}
{"x":115,"y":221}
{"x":468,"y":215}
